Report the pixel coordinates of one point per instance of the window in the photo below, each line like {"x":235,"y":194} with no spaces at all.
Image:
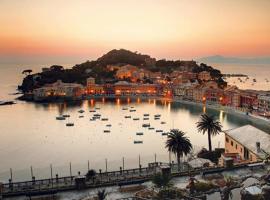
{"x":227,"y":139}
{"x":236,"y":146}
{"x":232,"y":143}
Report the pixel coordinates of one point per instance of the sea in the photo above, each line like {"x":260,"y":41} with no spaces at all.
{"x":32,"y":137}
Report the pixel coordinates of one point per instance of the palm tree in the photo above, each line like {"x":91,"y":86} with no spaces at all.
{"x":178,"y":144}
{"x":210,"y":125}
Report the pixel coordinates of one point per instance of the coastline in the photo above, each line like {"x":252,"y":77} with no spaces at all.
{"x":217,"y":107}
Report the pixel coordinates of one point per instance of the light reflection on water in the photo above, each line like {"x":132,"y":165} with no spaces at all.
{"x":30,"y":135}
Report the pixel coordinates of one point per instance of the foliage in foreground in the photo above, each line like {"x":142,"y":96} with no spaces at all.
{"x":162,"y":181}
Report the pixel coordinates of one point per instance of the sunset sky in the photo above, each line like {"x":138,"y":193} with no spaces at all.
{"x":86,"y":29}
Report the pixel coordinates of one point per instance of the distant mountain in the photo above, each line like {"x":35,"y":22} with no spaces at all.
{"x":236,"y":60}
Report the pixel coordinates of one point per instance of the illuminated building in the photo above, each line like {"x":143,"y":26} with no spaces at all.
{"x":92,"y":88}
{"x":58,"y":90}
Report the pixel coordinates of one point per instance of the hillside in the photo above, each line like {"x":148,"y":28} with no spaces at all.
{"x":98,"y":69}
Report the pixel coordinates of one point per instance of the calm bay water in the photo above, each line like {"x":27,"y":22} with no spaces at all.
{"x":259,"y":72}
{"x":30,"y":135}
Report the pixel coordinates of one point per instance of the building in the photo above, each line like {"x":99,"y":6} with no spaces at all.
{"x":92,"y":88}
{"x":232,"y":97}
{"x":139,"y":74}
{"x":184,"y":90}
{"x":204,"y":76}
{"x":126,"y":71}
{"x":250,"y":143}
{"x":264,"y":104}
{"x":58,"y":90}
{"x":124,"y":88}
{"x":248,"y":99}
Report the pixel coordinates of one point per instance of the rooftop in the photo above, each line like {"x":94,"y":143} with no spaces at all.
{"x":248,"y":136}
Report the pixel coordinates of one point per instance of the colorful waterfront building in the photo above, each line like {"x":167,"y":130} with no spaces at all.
{"x":123,"y":88}
{"x":92,"y":88}
{"x":184,"y":91}
{"x":248,"y":99}
{"x":249,"y":143}
{"x":232,"y":96}
{"x":58,"y":90}
{"x":264,"y":104}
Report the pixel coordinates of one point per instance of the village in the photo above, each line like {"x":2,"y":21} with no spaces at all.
{"x":138,"y":82}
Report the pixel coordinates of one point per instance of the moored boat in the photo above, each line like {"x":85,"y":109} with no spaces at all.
{"x":138,"y":141}
{"x":69,"y":124}
{"x":146,"y":125}
{"x":60,"y":118}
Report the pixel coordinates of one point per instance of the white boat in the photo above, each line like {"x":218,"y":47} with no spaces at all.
{"x":128,"y":117}
{"x":159,"y":131}
{"x":163,"y":122}
{"x":139,"y":133}
{"x":69,"y":124}
{"x":66,"y":115}
{"x":151,"y":128}
{"x":146,"y":115}
{"x":108,"y":125}
{"x":145,"y":118}
{"x":81,"y":116}
{"x":92,"y":119}
{"x":60,"y":118}
{"x":104,"y":119}
{"x":97,"y":115}
{"x":124,"y":108}
{"x":136,"y":119}
{"x":81,"y":111}
{"x":158,"y":115}
{"x":106,"y":131}
{"x":156,"y":118}
{"x":132,"y":110}
{"x":92,"y":111}
{"x":164,"y":134}
{"x":97,"y":108}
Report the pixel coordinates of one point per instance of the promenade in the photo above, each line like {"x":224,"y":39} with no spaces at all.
{"x":104,"y":179}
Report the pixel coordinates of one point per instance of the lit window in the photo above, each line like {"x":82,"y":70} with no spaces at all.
{"x":232,"y":143}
